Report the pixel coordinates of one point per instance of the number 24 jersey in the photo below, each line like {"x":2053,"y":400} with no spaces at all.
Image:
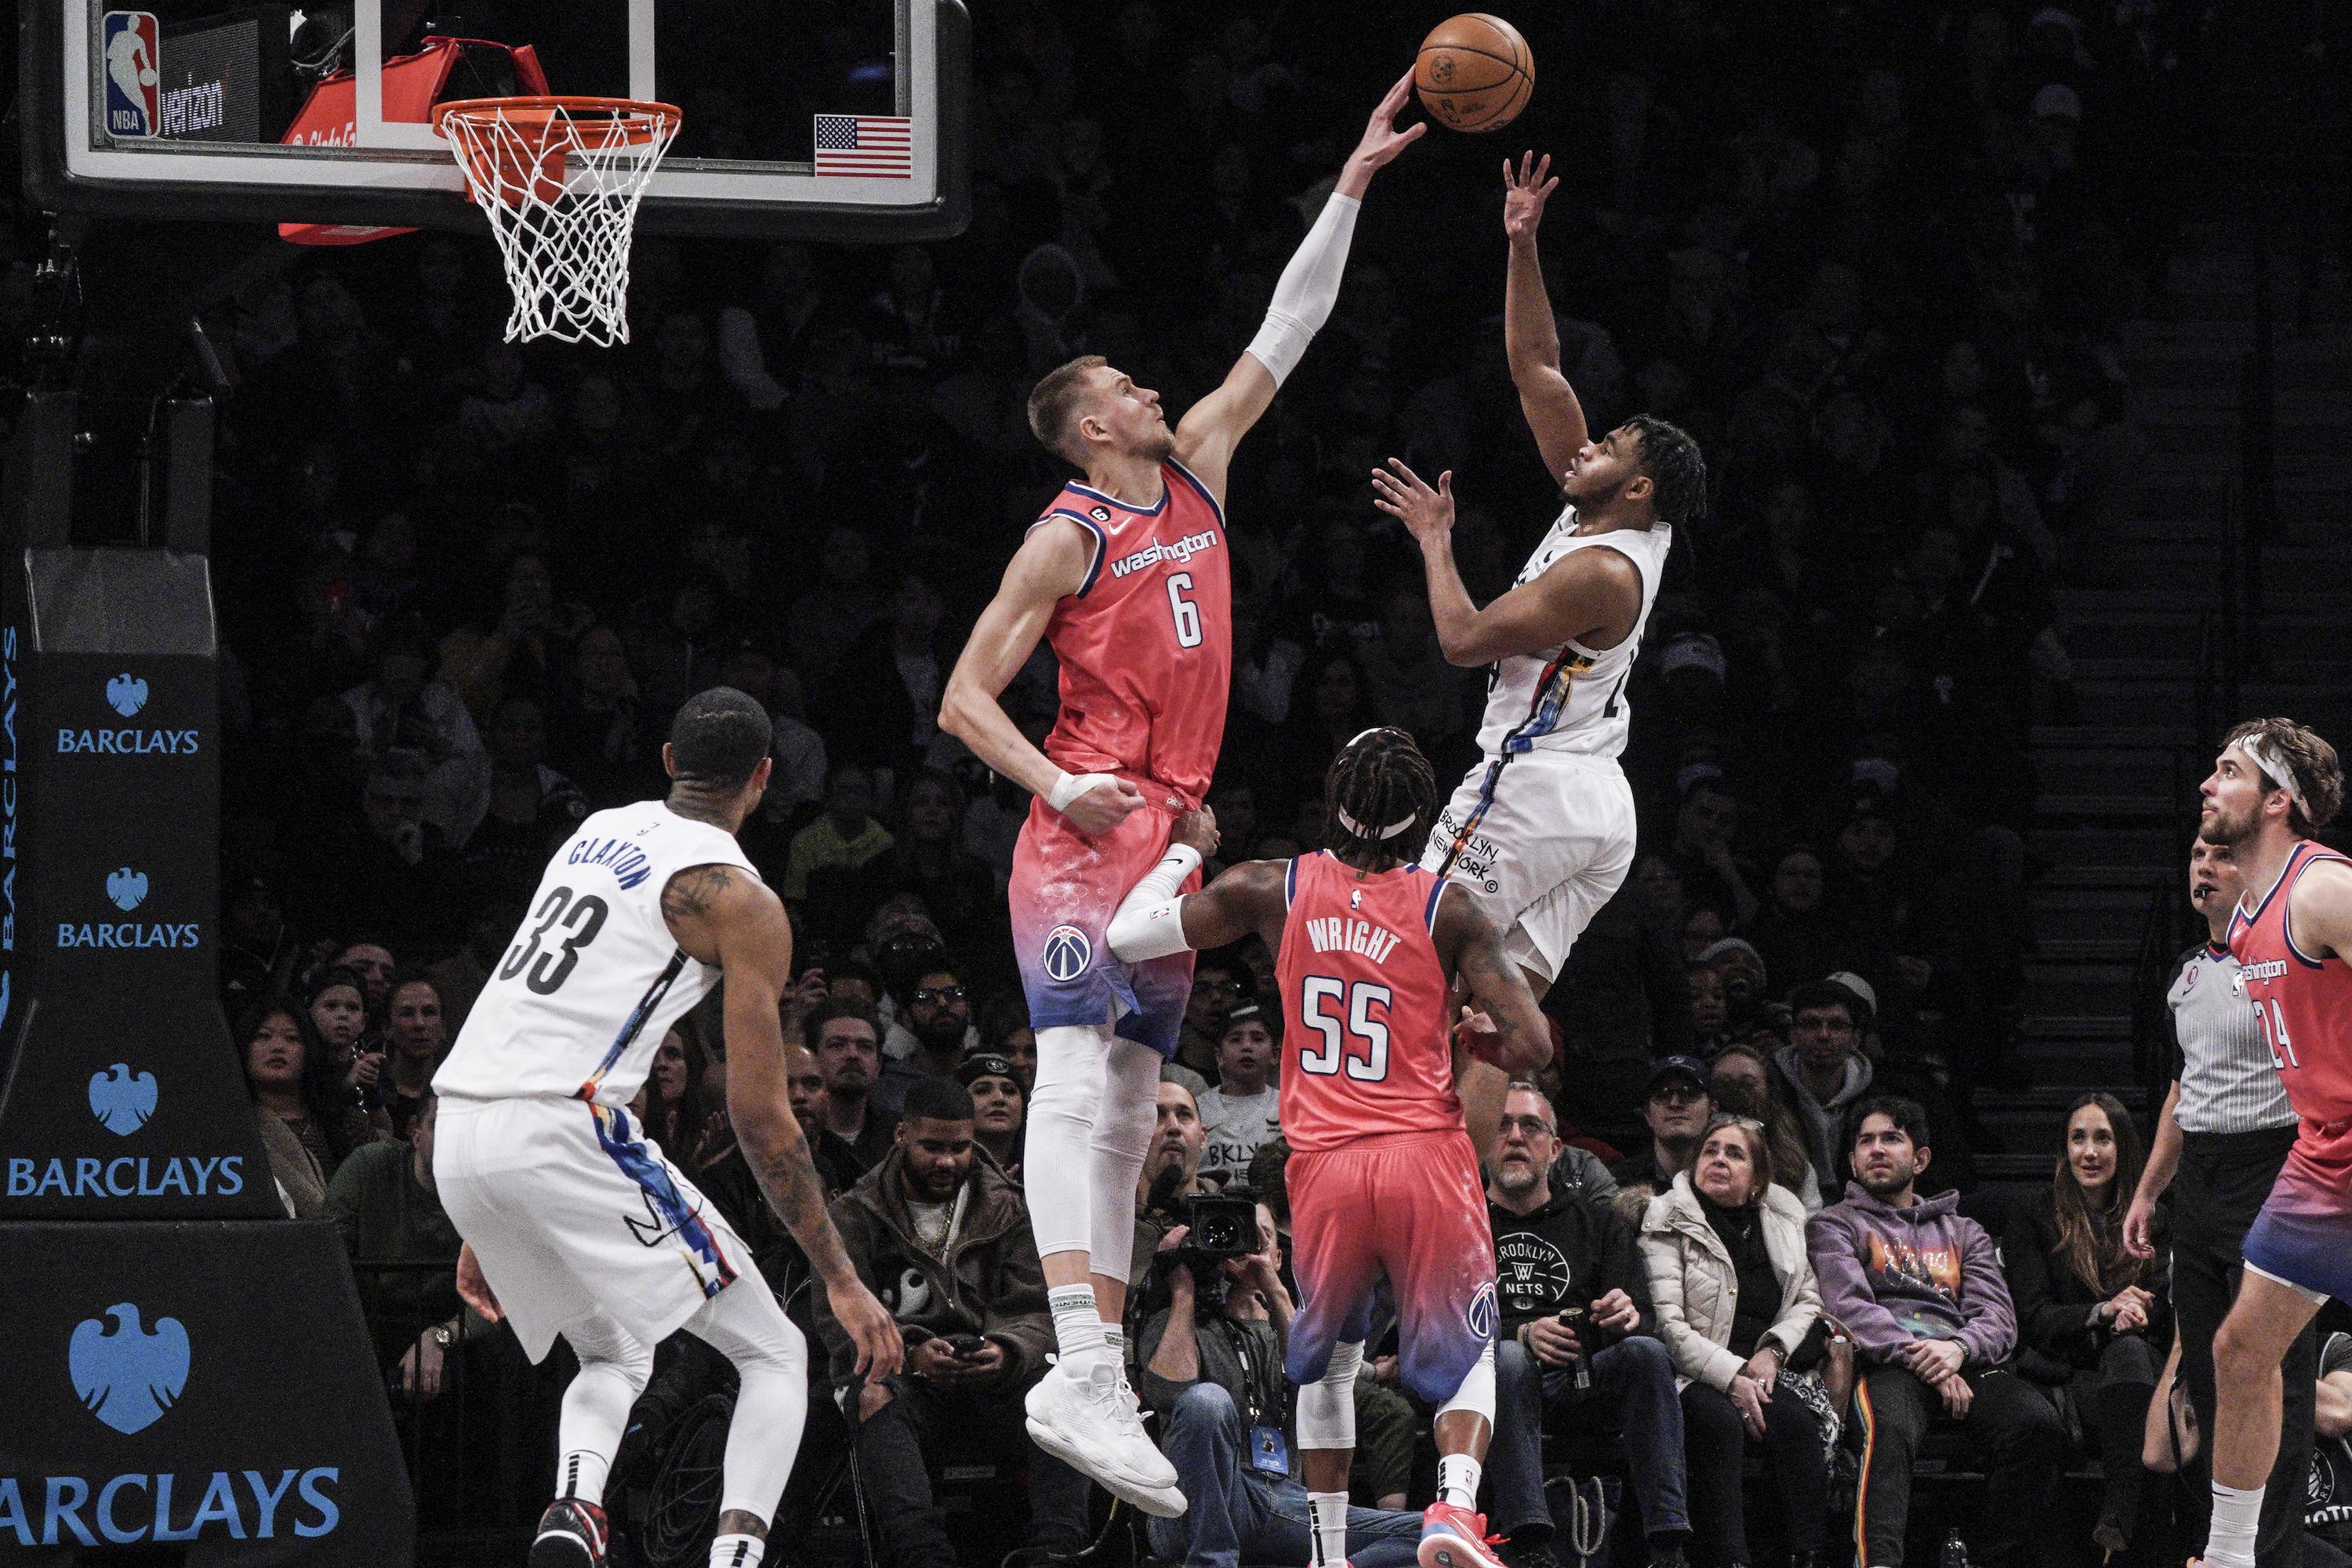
{"x":579,"y":1001}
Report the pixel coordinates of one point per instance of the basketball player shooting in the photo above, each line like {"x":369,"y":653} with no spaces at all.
{"x":1542,"y":831}
{"x":1385,"y":1196}
{"x":574,"y":1222}
{"x":1126,"y":575}
{"x":2275,"y":784}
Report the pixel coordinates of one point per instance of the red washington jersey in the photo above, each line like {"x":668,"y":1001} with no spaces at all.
{"x":1366,"y":1049}
{"x":1146,"y":645}
{"x":2305,"y":1006}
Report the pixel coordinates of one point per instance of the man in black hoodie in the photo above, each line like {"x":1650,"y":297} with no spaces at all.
{"x":1558,"y":1257}
{"x":943,"y":1241}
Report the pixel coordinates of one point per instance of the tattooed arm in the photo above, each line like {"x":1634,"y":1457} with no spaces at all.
{"x":1518,"y":1039}
{"x":722,"y":916}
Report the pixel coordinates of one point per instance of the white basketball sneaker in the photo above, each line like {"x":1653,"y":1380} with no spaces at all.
{"x":1085,"y":1420}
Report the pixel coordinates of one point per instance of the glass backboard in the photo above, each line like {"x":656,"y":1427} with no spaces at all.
{"x":809,"y":119}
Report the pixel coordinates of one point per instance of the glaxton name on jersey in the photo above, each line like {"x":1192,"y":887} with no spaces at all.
{"x":624,"y":859}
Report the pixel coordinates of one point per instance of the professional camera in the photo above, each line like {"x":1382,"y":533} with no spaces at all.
{"x":1222,"y":1225}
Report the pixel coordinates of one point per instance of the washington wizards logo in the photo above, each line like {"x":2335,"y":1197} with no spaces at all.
{"x":1068,"y":952}
{"x":1481,"y":1313}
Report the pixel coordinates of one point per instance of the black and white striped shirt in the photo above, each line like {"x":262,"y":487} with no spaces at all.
{"x":2228,"y":1081}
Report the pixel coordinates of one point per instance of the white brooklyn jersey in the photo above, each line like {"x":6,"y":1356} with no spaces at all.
{"x":581,"y":999}
{"x":1572,"y":697}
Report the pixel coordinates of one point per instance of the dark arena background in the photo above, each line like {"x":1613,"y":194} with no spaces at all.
{"x":2018,"y":343}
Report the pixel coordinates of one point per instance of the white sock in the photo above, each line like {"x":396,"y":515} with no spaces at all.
{"x":2237,"y":1520}
{"x":1327,"y":1513}
{"x":1115,"y":1343}
{"x":1457,"y":1480}
{"x":737,"y":1552}
{"x":1079,"y":1328}
{"x":582,"y":1476}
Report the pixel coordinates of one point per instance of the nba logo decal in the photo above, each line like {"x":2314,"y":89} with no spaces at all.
{"x":1068,"y":952}
{"x":1481,"y":1315}
{"x":134,"y":71}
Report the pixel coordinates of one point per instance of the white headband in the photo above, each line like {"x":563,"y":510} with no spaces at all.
{"x":1360,"y":831}
{"x":2280,"y":776}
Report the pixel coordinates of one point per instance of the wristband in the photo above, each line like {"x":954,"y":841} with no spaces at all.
{"x":1069,"y":786}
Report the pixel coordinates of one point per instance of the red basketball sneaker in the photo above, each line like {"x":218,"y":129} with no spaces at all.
{"x":572,"y":1534}
{"x":1454,"y":1537}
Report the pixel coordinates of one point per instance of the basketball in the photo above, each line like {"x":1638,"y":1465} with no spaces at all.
{"x":1473,"y":72}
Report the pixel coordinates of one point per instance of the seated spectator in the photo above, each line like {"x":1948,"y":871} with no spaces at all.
{"x":417,"y":1037}
{"x":1744,"y":979}
{"x":1577,"y":1337}
{"x":1825,"y":1074}
{"x":2090,"y":1314}
{"x":1918,"y":1288}
{"x":1004,"y":1032}
{"x":1212,"y":1367}
{"x":335,"y":1001}
{"x":1675,"y":1105}
{"x":1219,"y":984}
{"x":937,"y":1010}
{"x":1000,"y":1109}
{"x":1240,"y":1114}
{"x":856,"y":1133}
{"x":373,"y":962}
{"x":929,"y":860}
{"x":308,"y":1121}
{"x":1710,"y":1012}
{"x":724,"y":1173}
{"x":1742,"y":1080}
{"x":1737,"y":1307}
{"x":845,"y":836}
{"x":674,"y":1105}
{"x":383,"y":1199}
{"x":406,"y":709}
{"x":942,"y":1239}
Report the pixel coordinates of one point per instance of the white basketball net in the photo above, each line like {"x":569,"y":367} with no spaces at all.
{"x":560,"y":185}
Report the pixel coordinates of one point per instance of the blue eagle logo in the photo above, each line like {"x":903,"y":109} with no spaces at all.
{"x":127,"y":1377}
{"x":126,"y":694}
{"x":127,"y":888}
{"x":121,"y":1101}
{"x":1068,"y":952}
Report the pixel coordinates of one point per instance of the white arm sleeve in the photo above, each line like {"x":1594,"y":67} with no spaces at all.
{"x":1310,"y":286}
{"x":1151,"y":920}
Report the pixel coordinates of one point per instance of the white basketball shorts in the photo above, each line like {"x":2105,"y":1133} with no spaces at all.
{"x":1543,"y":839}
{"x":576,"y":1216}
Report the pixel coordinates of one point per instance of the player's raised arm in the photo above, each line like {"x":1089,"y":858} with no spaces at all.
{"x":1531,"y":332}
{"x":1154,"y":919}
{"x":1051,"y":564}
{"x":722,"y":916}
{"x":1579,"y":594}
{"x":1310,"y":285}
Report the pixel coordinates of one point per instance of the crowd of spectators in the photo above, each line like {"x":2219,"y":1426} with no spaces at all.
{"x":1875,"y":258}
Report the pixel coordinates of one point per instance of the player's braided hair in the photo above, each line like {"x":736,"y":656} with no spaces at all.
{"x":1677,"y":473}
{"x":1379,"y":794}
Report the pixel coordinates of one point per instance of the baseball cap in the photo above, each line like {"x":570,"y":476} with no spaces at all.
{"x":1246,"y":1011}
{"x":1690,"y":1067}
{"x":1855,"y":986}
{"x":984,"y":1064}
{"x":1717,"y":948}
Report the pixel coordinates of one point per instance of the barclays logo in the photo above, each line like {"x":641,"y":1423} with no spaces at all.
{"x":126,"y":694}
{"x":127,"y":1377}
{"x":127,"y":888}
{"x":121,"y":1102}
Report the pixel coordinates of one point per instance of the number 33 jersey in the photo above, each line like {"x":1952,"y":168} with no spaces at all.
{"x":1366,"y":1048}
{"x":578,"y":1002}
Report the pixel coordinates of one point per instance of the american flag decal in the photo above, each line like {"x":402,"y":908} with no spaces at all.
{"x":866,"y":146}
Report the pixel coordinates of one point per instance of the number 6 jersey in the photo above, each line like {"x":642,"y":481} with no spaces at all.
{"x":578,"y":1002}
{"x":1367,"y":1048}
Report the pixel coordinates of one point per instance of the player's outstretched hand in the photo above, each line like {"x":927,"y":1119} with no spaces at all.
{"x":1103,"y":807}
{"x":870,"y":1327}
{"x":1382,"y":141}
{"x":1427,"y":514}
{"x":1474,"y":1032}
{"x":1525,"y":192}
{"x":473,"y":1288}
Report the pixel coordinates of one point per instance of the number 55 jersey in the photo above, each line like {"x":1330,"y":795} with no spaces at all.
{"x":578,"y":1002}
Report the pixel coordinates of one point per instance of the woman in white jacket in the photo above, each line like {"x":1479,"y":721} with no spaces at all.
{"x":1736,"y":1305}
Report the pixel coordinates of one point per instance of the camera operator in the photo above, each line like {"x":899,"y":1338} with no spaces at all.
{"x":942,"y":1238}
{"x":1176,"y":1142}
{"x":1212,"y":1368}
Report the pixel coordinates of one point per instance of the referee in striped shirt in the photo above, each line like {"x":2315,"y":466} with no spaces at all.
{"x":2226,"y":1128}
